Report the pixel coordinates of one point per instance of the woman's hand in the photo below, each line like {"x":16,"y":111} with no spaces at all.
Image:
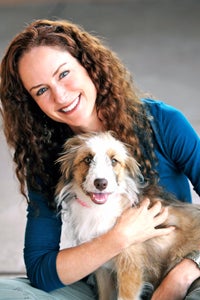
{"x":177,"y":282}
{"x":138,"y":224}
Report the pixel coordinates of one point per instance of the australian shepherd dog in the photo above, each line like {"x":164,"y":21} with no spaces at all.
{"x":99,"y":179}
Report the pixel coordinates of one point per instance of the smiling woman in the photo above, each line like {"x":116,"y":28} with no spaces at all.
{"x":64,"y":90}
{"x":58,"y":80}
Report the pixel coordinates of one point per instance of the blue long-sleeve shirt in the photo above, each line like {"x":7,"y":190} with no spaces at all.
{"x":178,"y":153}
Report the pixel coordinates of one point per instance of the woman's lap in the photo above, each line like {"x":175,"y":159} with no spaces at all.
{"x":20,"y":288}
{"x":194,"y":291}
{"x":194,"y":295}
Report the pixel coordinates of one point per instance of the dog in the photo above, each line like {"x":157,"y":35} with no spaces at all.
{"x":100,"y":179}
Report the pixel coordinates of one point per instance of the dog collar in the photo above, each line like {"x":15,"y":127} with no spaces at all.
{"x":83,"y":203}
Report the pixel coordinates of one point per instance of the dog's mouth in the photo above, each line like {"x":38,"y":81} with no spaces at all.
{"x":99,"y":198}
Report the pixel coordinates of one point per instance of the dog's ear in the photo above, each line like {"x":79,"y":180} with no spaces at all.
{"x":66,"y":166}
{"x":66,"y":159}
{"x":66,"y":162}
{"x":133,"y":168}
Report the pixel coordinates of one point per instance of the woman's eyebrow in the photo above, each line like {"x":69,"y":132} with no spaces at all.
{"x":36,"y":87}
{"x":56,"y":71}
{"x":54,"y":74}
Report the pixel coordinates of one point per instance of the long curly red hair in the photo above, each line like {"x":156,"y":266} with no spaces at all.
{"x":35,"y":138}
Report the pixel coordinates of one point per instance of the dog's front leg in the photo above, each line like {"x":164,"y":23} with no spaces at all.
{"x":106,"y":289}
{"x":129,"y":279}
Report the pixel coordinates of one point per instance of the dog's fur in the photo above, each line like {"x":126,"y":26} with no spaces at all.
{"x":99,"y":180}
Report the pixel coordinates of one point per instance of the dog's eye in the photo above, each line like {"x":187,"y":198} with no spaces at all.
{"x":88,"y":159}
{"x":114,"y":161}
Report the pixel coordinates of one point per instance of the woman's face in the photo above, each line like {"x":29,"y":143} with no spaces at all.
{"x":61,"y":87}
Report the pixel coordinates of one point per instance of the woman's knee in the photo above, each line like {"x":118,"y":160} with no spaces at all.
{"x":194,"y":295}
{"x":20,"y":288}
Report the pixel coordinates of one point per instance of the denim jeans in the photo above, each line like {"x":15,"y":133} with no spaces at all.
{"x":20,"y":289}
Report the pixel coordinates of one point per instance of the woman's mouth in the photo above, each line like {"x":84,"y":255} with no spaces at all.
{"x":72,"y":106}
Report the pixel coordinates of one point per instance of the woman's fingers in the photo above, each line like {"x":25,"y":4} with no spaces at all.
{"x":156,"y":208}
{"x":159,"y":215}
{"x":138,"y":224}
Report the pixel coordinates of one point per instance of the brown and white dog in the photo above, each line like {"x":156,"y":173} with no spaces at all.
{"x":99,"y":179}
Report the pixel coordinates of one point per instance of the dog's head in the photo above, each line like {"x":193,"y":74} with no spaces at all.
{"x":98,"y":164}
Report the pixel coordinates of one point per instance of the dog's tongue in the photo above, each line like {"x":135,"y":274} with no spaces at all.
{"x":99,"y":198}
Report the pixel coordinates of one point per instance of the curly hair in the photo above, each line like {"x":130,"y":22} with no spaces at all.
{"x":36,"y":139}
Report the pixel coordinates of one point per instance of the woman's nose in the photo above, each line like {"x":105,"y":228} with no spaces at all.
{"x":60,"y":94}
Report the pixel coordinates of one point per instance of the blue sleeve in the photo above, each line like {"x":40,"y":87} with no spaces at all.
{"x":178,"y":147}
{"x":182,"y":144}
{"x":42,"y":238}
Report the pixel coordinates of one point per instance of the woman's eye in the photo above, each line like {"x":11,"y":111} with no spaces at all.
{"x":41,"y":91}
{"x":63,"y":74}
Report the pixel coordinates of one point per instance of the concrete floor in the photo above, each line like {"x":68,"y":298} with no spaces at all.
{"x":159,"y":41}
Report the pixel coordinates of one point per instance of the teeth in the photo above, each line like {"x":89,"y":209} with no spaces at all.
{"x":70,"y":107}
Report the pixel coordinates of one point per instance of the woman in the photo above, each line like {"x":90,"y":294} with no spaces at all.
{"x":56,"y":81}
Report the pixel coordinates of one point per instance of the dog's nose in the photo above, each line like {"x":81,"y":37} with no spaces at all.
{"x":101,"y":183}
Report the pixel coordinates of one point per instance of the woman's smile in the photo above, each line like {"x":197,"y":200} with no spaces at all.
{"x":71,"y":107}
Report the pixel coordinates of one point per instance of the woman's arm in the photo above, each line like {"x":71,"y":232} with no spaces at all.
{"x":180,"y":144}
{"x":42,"y":238}
{"x":177,"y":282}
{"x":177,"y":149}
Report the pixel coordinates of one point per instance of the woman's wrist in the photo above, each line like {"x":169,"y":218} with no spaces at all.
{"x":177,"y":282}
{"x":189,"y":272}
{"x":195,"y":257}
